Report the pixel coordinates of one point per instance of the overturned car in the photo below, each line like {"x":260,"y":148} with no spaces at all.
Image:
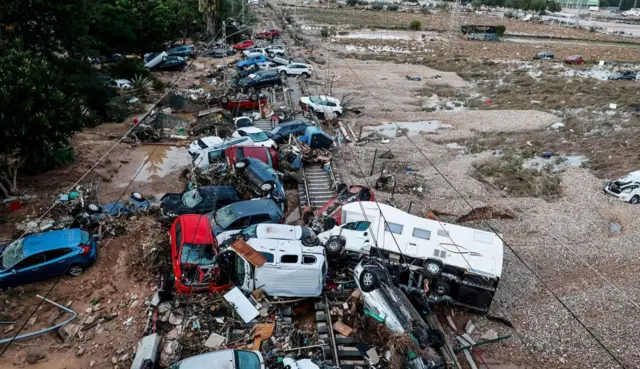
{"x":626,"y":188}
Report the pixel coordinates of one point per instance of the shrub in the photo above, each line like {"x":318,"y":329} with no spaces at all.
{"x":324,"y":32}
{"x":352,"y":2}
{"x":128,"y":69}
{"x":415,"y":25}
{"x":377,"y":6}
{"x":392,"y":8}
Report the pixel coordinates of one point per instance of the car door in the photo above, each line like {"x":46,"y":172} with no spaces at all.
{"x":29,"y":269}
{"x":57,"y":262}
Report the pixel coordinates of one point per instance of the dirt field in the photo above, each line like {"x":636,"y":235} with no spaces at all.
{"x":483,"y":115}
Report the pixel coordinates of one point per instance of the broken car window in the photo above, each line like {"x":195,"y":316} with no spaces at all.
{"x":225,"y":216}
{"x":259,"y":136}
{"x":250,"y":232}
{"x":191,"y":198}
{"x":12,"y":254}
{"x":269,"y":256}
{"x":197,"y":254}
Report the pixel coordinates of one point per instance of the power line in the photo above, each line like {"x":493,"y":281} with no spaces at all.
{"x":491,"y":227}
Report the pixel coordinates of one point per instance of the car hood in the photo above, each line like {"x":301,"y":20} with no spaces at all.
{"x":171,"y":202}
{"x":305,"y":100}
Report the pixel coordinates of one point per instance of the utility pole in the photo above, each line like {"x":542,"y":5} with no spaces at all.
{"x":578,"y":17}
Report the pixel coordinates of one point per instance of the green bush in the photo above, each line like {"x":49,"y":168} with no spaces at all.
{"x":158,"y":85}
{"x":117,"y":109}
{"x":352,"y":2}
{"x":128,"y":69}
{"x":415,"y":25}
{"x":324,"y":32}
{"x":392,"y":8}
{"x":377,"y":6}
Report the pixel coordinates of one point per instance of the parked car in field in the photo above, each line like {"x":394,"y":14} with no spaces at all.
{"x":263,"y":180}
{"x":194,"y":253}
{"x":267,"y":155}
{"x":183,"y":51}
{"x":201,"y":200}
{"x":383,"y":299}
{"x":295,"y":69}
{"x":153,"y":59}
{"x":44,"y":255}
{"x":243,"y":45}
{"x":251,"y":60}
{"x":628,"y":75}
{"x":626,"y":188}
{"x":237,"y":103}
{"x":282,"y":268}
{"x":281,"y":132}
{"x":240,"y":215}
{"x":203,"y":143}
{"x":214,"y":156}
{"x":462,"y":264}
{"x":333,"y":207}
{"x":267,"y":34}
{"x":326,"y":105}
{"x":258,"y":136}
{"x":574,"y":59}
{"x":544,"y":55}
{"x":172,"y":63}
{"x":258,"y":80}
{"x":270,"y":231}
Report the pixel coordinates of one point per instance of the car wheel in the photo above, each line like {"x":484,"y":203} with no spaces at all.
{"x":251,"y":90}
{"x":164,"y":58}
{"x":441,"y":288}
{"x":334,"y":246}
{"x":437,"y":340}
{"x":272,"y":55}
{"x":75,"y":270}
{"x":305,"y":75}
{"x":137,"y":196}
{"x":224,"y":100}
{"x":635,"y":200}
{"x":368,"y":281}
{"x":432,"y":268}
{"x":93,"y":208}
{"x":283,"y":74}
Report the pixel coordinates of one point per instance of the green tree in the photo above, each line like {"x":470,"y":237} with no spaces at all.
{"x":37,"y":116}
{"x":554,"y":7}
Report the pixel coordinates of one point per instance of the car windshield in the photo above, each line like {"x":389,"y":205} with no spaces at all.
{"x":276,"y":130}
{"x":12,"y":254}
{"x":250,"y":232}
{"x":202,"y":144}
{"x":191,"y":198}
{"x":225,"y":216}
{"x":258,"y":136}
{"x":246,"y":360}
{"x":315,"y":99}
{"x":197,"y":254}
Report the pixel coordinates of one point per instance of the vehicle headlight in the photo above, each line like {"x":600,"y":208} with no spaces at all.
{"x":266,"y":187}
{"x":241,"y":165}
{"x":626,"y":190}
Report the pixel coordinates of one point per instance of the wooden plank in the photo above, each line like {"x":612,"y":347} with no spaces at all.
{"x":248,"y":253}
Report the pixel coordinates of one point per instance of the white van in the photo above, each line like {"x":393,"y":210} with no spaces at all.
{"x":282,"y":268}
{"x":626,"y":188}
{"x":461,"y":263}
{"x":212,"y":155}
{"x":270,"y":231}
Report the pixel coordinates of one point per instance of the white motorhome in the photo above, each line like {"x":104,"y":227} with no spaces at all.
{"x":626,"y":188}
{"x":461,"y":263}
{"x":284,"y":268}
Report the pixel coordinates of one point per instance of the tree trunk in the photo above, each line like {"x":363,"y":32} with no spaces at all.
{"x":3,"y":191}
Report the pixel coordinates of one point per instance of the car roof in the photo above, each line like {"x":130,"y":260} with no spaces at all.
{"x":249,"y":207}
{"x":53,"y":240}
{"x":279,"y":231}
{"x":222,"y":191}
{"x":293,"y":122}
{"x":283,"y":247}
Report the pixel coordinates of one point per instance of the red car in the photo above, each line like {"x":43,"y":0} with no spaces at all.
{"x":333,"y":207}
{"x":574,"y":59}
{"x":270,"y":33}
{"x":243,"y":45}
{"x":237,"y":103}
{"x":194,"y":251}
{"x":266,"y":155}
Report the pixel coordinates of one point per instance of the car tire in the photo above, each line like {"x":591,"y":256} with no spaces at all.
{"x":334,"y":245}
{"x":368,"y":281}
{"x":75,"y":270}
{"x":305,"y":75}
{"x":251,"y":90}
{"x":271,"y":183}
{"x":432,"y":268}
{"x":437,"y":340}
{"x":253,"y":97}
{"x":137,"y":196}
{"x":283,"y":74}
{"x":95,"y":209}
{"x":272,"y":55}
{"x":441,"y":288}
{"x":635,"y":200}
{"x":224,"y":100}
{"x":164,"y":58}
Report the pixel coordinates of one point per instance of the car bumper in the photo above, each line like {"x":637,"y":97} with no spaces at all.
{"x":621,"y":196}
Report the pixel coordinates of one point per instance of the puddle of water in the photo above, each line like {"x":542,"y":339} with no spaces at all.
{"x":164,"y":160}
{"x":615,"y":227}
{"x":592,"y":73}
{"x":557,"y":163}
{"x":411,"y":128}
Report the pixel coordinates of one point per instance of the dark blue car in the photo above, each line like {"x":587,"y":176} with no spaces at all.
{"x":281,"y":133}
{"x":263,"y":179}
{"x":45,"y":255}
{"x":242,"y":214}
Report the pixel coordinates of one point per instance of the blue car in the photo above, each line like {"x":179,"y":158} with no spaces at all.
{"x":263,"y":179}
{"x":251,"y":60}
{"x":281,"y":133}
{"x":242,"y":214}
{"x":45,"y":255}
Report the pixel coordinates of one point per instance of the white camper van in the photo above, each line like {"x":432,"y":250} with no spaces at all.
{"x":461,"y":263}
{"x":283,"y":268}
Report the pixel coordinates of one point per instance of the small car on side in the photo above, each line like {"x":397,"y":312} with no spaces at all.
{"x":263,"y":180}
{"x":201,"y":200}
{"x":282,"y":131}
{"x":258,"y":80}
{"x":243,"y":45}
{"x":183,"y":51}
{"x":242,"y":214}
{"x":44,"y":255}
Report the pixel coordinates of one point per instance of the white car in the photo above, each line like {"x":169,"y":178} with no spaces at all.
{"x":254,"y":51}
{"x":322,"y":104}
{"x":626,"y":189}
{"x":272,"y":232}
{"x":203,"y":143}
{"x":151,"y":60}
{"x":296,"y":69}
{"x":213,"y":156}
{"x":258,"y":136}
{"x":124,"y":84}
{"x":275,"y":51}
{"x":267,"y":65}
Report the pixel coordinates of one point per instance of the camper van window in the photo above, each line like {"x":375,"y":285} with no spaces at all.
{"x":483,"y":237}
{"x":291,"y":259}
{"x":421,"y":233}
{"x":308,"y":259}
{"x":394,"y":228}
{"x":268,"y":256}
